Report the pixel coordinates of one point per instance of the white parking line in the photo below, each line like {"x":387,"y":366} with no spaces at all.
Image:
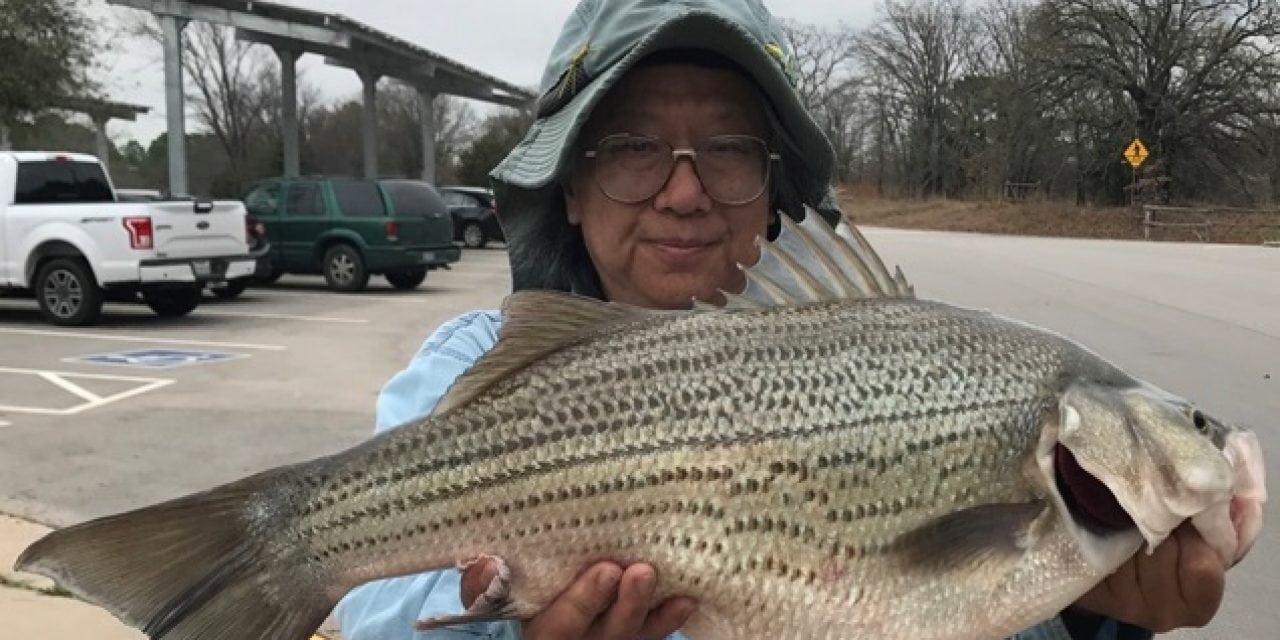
{"x":5,"y":423}
{"x":92,"y":400}
{"x":104,"y":336}
{"x":282,"y":316}
{"x":70,"y":387}
{"x":356,"y":297}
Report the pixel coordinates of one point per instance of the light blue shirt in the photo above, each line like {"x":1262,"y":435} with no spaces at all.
{"x":386,"y":609}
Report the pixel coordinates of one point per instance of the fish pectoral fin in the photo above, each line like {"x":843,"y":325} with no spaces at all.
{"x":969,"y":537}
{"x":493,"y":610}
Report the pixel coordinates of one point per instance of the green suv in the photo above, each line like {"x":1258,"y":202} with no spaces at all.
{"x":349,"y":228}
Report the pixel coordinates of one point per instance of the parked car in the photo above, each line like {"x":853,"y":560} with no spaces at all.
{"x":254,"y":231}
{"x":348,"y":229}
{"x":475,"y":215}
{"x":67,"y":240}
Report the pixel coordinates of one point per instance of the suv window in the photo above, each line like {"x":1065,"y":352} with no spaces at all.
{"x":303,"y":200}
{"x":358,"y":199}
{"x":410,"y":197}
{"x":63,"y":181}
{"x":263,"y":201}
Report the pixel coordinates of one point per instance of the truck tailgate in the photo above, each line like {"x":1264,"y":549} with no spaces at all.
{"x":185,"y":230}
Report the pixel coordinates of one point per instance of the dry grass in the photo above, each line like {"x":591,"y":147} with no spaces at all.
{"x":1054,"y":219}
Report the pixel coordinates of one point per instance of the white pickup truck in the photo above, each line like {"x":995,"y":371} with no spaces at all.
{"x":65,"y":239}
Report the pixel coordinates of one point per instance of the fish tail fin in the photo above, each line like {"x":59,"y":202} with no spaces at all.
{"x":194,"y":568}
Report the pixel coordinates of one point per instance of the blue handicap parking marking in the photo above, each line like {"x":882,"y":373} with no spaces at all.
{"x":158,"y":358}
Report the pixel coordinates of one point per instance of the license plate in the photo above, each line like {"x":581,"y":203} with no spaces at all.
{"x":201,"y":267}
{"x":427,"y":257}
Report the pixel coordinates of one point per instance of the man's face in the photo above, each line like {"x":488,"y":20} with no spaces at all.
{"x":680,"y":243}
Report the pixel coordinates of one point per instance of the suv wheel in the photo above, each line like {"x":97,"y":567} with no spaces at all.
{"x":67,"y":293}
{"x":473,"y":235}
{"x":344,"y":268}
{"x":407,"y":279}
{"x":172,"y":302}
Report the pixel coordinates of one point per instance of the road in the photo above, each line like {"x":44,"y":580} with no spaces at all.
{"x":304,"y":366}
{"x":1202,"y":321}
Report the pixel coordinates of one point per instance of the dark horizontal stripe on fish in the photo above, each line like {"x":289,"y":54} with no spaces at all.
{"x":345,"y":488}
{"x":707,"y":509}
{"x":624,"y":450}
{"x":908,"y":370}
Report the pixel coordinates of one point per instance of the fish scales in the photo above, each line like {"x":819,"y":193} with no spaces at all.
{"x":874,"y":467}
{"x":602,"y":442}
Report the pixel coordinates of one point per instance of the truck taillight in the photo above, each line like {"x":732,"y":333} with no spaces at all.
{"x":254,"y":229}
{"x":140,"y":233}
{"x":393,"y":230}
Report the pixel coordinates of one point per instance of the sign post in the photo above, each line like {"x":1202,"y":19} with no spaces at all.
{"x":1135,"y":154}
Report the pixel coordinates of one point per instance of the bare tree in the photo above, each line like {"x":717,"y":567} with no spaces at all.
{"x":889,"y":121}
{"x":1195,"y":73}
{"x":1008,"y":99}
{"x":236,"y":87}
{"x":495,"y":137}
{"x":331,"y":139}
{"x":918,"y":45}
{"x":829,"y":87}
{"x":400,"y":119}
{"x":455,"y":127}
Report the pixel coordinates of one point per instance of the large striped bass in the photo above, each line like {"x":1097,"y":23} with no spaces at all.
{"x":822,"y":455}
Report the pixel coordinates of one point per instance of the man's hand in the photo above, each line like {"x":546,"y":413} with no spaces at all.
{"x":1180,"y":585}
{"x":604,"y":602}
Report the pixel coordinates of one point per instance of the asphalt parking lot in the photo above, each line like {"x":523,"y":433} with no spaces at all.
{"x":291,"y":371}
{"x":139,"y":408}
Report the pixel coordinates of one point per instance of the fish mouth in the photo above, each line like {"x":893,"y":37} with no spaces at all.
{"x":1091,"y":504}
{"x":1249,"y":491}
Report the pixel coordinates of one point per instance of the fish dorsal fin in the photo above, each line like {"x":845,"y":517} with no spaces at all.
{"x":811,"y":262}
{"x":535,"y":323}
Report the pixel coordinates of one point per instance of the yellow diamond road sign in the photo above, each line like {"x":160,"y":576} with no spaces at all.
{"x":1136,"y":153}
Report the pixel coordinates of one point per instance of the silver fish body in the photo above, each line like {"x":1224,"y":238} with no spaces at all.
{"x":774,"y":463}
{"x":833,"y":468}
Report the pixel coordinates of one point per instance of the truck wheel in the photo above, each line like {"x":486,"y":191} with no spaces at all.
{"x":67,"y":293}
{"x":172,"y":302}
{"x":407,"y":279}
{"x":230,"y":289}
{"x":473,"y":236}
{"x":344,"y":268}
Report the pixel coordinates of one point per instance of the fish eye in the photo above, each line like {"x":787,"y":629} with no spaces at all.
{"x":1198,"y":420}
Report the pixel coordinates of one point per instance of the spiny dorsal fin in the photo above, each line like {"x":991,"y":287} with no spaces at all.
{"x":534,"y":324}
{"x":811,"y":262}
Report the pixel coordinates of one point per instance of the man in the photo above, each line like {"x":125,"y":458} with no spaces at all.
{"x":668,"y":137}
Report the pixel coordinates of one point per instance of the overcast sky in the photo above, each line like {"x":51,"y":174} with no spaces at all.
{"x":509,"y":39}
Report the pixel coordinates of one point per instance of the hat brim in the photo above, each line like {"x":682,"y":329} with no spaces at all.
{"x":540,"y":157}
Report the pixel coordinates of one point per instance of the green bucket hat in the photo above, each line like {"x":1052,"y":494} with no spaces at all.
{"x":599,"y":43}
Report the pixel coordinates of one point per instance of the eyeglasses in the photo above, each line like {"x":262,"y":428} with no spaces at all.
{"x":631,"y":168}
